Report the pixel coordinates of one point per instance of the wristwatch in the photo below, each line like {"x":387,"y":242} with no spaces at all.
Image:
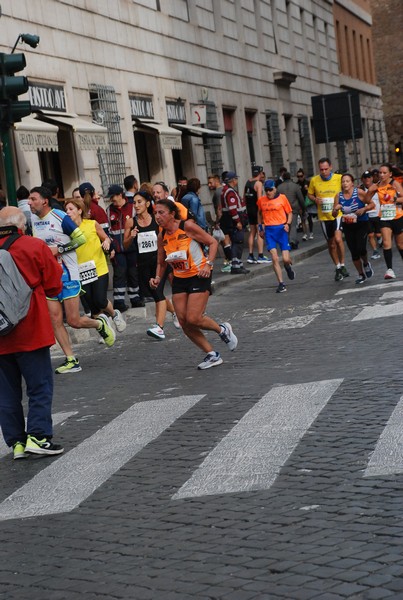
{"x":60,"y":249}
{"x":210,"y":263}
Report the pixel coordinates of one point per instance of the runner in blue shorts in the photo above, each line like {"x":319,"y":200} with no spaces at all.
{"x":274,"y":219}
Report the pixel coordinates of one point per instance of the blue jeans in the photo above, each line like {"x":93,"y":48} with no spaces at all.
{"x":36,"y":369}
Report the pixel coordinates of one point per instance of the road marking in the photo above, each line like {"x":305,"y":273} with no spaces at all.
{"x":71,"y":479}
{"x":366,"y":288}
{"x":380,"y":310}
{"x":397,"y":295}
{"x":251,"y":455}
{"x":291,"y":323}
{"x":56,"y":418}
{"x":387,"y":457}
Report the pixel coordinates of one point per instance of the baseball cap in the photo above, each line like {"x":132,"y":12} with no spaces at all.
{"x":86,"y":187}
{"x":374,"y":171}
{"x":114,"y":190}
{"x":228,"y":175}
{"x":269,"y":184}
{"x":366,"y":174}
{"x":256,"y":170}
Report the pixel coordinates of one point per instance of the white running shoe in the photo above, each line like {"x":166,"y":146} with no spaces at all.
{"x":311,"y":236}
{"x":119,"y":321}
{"x":175,"y":321}
{"x":212,"y":359}
{"x":156,"y":332}
{"x":390,"y":274}
{"x":228,"y":336}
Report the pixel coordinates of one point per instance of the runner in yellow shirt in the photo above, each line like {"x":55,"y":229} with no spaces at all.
{"x":322,"y":190}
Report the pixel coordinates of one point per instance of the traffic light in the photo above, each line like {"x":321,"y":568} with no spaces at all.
{"x":12,"y":110}
{"x":398,"y":149}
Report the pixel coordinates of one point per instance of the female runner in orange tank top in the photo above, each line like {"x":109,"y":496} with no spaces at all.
{"x":390,"y":194}
{"x":180,"y":244}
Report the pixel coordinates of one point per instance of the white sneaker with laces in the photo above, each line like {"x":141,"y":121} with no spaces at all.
{"x":156,"y":332}
{"x":119,"y":321}
{"x":228,"y":336}
{"x":175,"y":321}
{"x":311,"y":236}
{"x":212,"y":359}
{"x":390,"y":274}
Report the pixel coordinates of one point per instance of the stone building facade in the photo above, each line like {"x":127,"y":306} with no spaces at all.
{"x":161,"y":89}
{"x":388,"y":51}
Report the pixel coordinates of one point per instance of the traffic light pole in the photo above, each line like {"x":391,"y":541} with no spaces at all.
{"x":8,"y":165}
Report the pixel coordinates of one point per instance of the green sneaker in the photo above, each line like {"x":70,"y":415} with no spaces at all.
{"x":19,"y":451}
{"x":226,"y":269}
{"x":344,"y":272}
{"x":105,"y":330}
{"x":70,"y":365}
{"x":44,"y":446}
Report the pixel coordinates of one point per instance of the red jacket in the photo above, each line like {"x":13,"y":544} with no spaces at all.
{"x":117,"y":217}
{"x":43,"y":273}
{"x":232,"y":203}
{"x":97,"y":213}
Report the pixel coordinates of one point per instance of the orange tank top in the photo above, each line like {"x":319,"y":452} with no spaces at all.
{"x":389,"y":210}
{"x":184,"y":254}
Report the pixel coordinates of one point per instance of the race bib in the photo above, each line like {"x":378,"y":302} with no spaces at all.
{"x":327,"y":205}
{"x":178,"y":260}
{"x":88,"y":272}
{"x":388,"y":212}
{"x":349,"y":218}
{"x":147,"y":241}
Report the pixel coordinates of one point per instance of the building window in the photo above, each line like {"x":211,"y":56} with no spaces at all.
{"x":274,"y":137}
{"x":104,"y":110}
{"x":249,"y":118}
{"x":305,"y":144}
{"x":228,"y":128}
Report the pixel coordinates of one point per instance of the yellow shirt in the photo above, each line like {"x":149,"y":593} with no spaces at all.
{"x":327,"y":191}
{"x":92,"y":249}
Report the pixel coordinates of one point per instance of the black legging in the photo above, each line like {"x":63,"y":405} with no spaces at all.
{"x":96,"y":294}
{"x":356,"y":235}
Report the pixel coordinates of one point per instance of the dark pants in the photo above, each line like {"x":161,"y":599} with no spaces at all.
{"x":36,"y":369}
{"x":125,"y":276}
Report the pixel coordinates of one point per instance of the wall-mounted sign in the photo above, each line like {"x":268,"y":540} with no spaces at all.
{"x":198,"y":114}
{"x":176,"y":111}
{"x":141,"y":106}
{"x":47,"y":97}
{"x":91,"y":141}
{"x":32,"y":141}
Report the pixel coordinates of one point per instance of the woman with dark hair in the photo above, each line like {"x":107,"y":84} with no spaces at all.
{"x":142,"y":230}
{"x":193,"y":203}
{"x":93,"y":210}
{"x":180,"y":244}
{"x":93,"y":268}
{"x":354,"y":205}
{"x":390,"y":194}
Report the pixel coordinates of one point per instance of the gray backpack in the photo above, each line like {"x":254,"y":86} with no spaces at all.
{"x":15,"y":293}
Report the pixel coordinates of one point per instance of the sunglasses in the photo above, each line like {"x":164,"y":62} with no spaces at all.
{"x":269,"y":189}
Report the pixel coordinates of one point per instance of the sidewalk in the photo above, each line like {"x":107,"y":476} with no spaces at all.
{"x":221,"y":280}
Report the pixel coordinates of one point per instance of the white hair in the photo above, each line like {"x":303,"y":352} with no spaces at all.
{"x":18,"y":219}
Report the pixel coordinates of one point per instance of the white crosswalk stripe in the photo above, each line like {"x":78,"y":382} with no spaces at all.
{"x":365,"y":289}
{"x":387,"y":457}
{"x":378,"y":311}
{"x":251,"y":455}
{"x":57,"y":418}
{"x":69,"y":480}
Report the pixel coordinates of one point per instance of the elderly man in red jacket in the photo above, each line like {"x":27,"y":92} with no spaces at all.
{"x":25,"y":350}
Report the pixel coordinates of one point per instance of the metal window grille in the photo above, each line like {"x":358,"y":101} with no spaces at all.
{"x":305,"y":143}
{"x":377,"y":146}
{"x":275,"y":149}
{"x":105,"y":112}
{"x":212,"y":146}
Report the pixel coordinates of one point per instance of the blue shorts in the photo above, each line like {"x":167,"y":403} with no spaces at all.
{"x":276,"y":235}
{"x":71,"y":287}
